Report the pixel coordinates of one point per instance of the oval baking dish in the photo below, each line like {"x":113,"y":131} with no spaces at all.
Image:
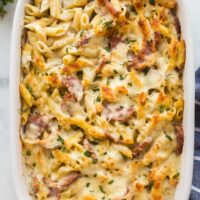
{"x":183,"y":188}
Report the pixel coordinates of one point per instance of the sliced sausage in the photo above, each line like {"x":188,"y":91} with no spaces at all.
{"x":89,"y":148}
{"x":69,"y":179}
{"x":179,"y":139}
{"x":118,"y":113}
{"x":73,"y":84}
{"x":142,"y":147}
{"x":110,"y":7}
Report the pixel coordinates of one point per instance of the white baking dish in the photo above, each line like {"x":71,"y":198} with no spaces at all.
{"x":183,"y":189}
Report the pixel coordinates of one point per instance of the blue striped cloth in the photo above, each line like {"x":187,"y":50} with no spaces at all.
{"x":195,"y":192}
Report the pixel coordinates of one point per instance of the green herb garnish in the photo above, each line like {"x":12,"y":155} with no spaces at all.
{"x":129,"y":41}
{"x":146,"y":70}
{"x":63,"y":148}
{"x":130,"y":84}
{"x":176,"y":175}
{"x":29,"y":88}
{"x":60,"y":139}
{"x":25,"y":110}
{"x":161,"y":109}
{"x":34,"y":164}
{"x":168,"y":137}
{"x":3,"y":3}
{"x":97,"y":77}
{"x":87,"y":153}
{"x":81,"y":33}
{"x":101,"y":189}
{"x":107,"y":49}
{"x":115,"y":71}
{"x":94,"y":142}
{"x":150,"y":165}
{"x":150,"y":185}
{"x":95,"y":89}
{"x":110,"y":182}
{"x":51,"y":155}
{"x":28,"y":153}
{"x":98,"y":99}
{"x":122,"y":77}
{"x":125,"y":158}
{"x":80,"y":75}
{"x":87,"y":185}
{"x":152,"y":2}
{"x":108,"y":24}
{"x":108,"y":81}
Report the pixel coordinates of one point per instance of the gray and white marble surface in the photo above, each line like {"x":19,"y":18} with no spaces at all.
{"x":6,"y":186}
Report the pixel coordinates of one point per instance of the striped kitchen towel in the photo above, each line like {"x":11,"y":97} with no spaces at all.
{"x":195,"y":192}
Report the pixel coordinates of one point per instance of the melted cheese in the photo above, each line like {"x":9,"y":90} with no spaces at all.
{"x":101,"y":90}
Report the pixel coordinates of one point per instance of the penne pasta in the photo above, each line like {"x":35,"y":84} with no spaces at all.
{"x":45,"y":5}
{"x":76,"y":19}
{"x":102,"y":99}
{"x":55,"y":8}
{"x":44,"y":49}
{"x":84,"y":22}
{"x":56,"y":31}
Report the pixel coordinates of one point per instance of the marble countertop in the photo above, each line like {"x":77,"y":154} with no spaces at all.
{"x":6,"y":186}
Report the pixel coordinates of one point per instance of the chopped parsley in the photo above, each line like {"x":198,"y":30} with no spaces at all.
{"x":24,"y":110}
{"x":60,"y":139}
{"x":80,"y":75}
{"x":94,"y":142}
{"x":130,"y":84}
{"x":81,"y":33}
{"x":101,"y":189}
{"x":146,"y":70}
{"x":168,"y":137}
{"x":95,"y":89}
{"x":75,"y":127}
{"x":161,"y":109}
{"x":29,"y":88}
{"x":122,"y":77}
{"x":150,"y":185}
{"x":129,"y":41}
{"x":34,"y":164}
{"x":51,"y":155}
{"x":98,"y":99}
{"x":108,"y":81}
{"x":110,"y":182}
{"x":50,"y":91}
{"x":107,"y":49}
{"x":28,"y":153}
{"x":115,"y":71}
{"x":97,"y":77}
{"x":124,"y":157}
{"x":176,"y":175}
{"x":63,"y":148}
{"x":95,"y":175}
{"x":150,"y":165}
{"x":108,"y":24}
{"x":152,"y":2}
{"x":88,"y":154}
{"x":87,"y":185}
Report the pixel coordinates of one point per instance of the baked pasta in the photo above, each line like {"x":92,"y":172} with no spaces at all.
{"x":102,"y":99}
